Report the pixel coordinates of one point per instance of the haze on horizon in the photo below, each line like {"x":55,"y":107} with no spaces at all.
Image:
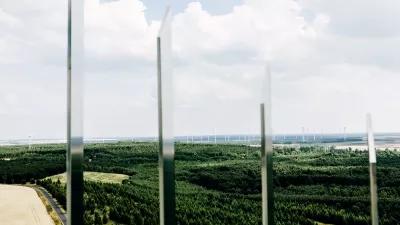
{"x":330,"y":66}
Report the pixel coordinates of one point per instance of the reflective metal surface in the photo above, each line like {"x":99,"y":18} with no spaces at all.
{"x":372,"y":172}
{"x":165,"y":123}
{"x":266,"y":153}
{"x":74,"y":113}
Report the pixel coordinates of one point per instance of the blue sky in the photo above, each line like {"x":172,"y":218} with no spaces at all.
{"x":331,"y":62}
{"x":155,"y":10}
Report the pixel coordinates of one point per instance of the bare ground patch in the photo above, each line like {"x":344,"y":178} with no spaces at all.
{"x":22,"y":205}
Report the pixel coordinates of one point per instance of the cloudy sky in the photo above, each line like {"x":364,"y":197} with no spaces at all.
{"x":331,"y":63}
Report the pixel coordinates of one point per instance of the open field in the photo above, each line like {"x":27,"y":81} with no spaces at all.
{"x":112,"y":178}
{"x":21,"y":205}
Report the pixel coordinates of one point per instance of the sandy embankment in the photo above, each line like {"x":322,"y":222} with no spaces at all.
{"x":22,"y":206}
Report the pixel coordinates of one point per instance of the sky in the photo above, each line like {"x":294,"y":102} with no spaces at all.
{"x":331,"y":63}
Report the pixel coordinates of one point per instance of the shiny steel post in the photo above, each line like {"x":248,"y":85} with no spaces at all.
{"x":266,"y":153}
{"x":74,"y":113}
{"x":372,"y":172}
{"x":165,"y":123}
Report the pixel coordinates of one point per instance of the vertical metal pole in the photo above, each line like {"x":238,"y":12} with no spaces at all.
{"x":165,"y":120}
{"x":74,"y":113}
{"x":266,"y":154}
{"x":215,"y":136}
{"x":266,"y":172}
{"x":372,"y":172}
{"x":30,"y":142}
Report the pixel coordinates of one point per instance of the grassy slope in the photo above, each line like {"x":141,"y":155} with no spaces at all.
{"x":112,"y":178}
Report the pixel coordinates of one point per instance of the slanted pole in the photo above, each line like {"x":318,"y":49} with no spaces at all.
{"x":165,"y":123}
{"x":266,"y":153}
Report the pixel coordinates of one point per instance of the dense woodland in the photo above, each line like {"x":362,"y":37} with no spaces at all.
{"x":218,"y":184}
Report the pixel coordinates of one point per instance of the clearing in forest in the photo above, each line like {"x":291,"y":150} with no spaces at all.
{"x":113,"y":178}
{"x":22,"y":205}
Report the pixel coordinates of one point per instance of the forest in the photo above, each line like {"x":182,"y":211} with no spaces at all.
{"x":218,"y":184}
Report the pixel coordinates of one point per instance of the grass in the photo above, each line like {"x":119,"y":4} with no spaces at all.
{"x":112,"y":178}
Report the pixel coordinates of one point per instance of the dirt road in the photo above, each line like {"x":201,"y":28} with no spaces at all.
{"x":22,"y":206}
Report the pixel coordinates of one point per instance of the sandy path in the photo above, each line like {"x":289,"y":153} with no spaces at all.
{"x":22,"y":206}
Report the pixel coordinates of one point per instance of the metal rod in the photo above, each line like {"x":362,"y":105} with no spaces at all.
{"x":266,"y":154}
{"x":74,"y":113}
{"x":165,"y":123}
{"x":266,"y":172}
{"x":372,"y":172}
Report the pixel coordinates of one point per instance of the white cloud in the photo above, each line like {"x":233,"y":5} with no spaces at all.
{"x":327,"y":60}
{"x":358,"y":18}
{"x":264,"y":28}
{"x":8,"y":20}
{"x":119,"y":29}
{"x":337,"y":96}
